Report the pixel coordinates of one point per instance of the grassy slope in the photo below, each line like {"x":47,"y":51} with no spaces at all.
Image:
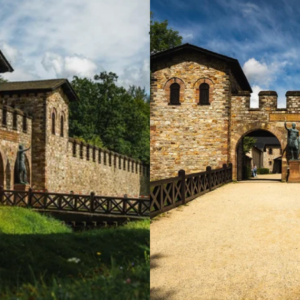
{"x":17,"y":220}
{"x":34,"y":253}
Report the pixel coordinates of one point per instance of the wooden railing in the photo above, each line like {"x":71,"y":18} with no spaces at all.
{"x":92,"y":203}
{"x":169,"y":193}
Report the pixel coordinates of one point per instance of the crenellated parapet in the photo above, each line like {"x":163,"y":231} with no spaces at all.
{"x":106,"y":157}
{"x":293,"y":101}
{"x":267,"y":100}
{"x":15,"y":120}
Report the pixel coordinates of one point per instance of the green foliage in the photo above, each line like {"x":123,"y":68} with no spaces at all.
{"x":162,"y":38}
{"x":263,"y":171}
{"x":108,"y":263}
{"x":17,"y":220}
{"x":248,"y":143}
{"x":246,"y":172}
{"x":110,"y":116}
{"x":2,"y":79}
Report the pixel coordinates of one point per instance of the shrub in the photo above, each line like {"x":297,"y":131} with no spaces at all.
{"x":246,"y":172}
{"x":263,"y":171}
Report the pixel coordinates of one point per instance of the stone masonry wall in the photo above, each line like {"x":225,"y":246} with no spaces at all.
{"x":76,"y":167}
{"x":244,"y":120}
{"x":269,"y":158}
{"x":53,"y":166}
{"x":33,"y":104}
{"x":10,"y":138}
{"x":189,"y":136}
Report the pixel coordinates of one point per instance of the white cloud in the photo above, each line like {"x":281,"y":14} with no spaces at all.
{"x":12,"y":54}
{"x":257,"y":72}
{"x":250,"y":8}
{"x":69,"y":66}
{"x":110,"y":34}
{"x":254,"y":103}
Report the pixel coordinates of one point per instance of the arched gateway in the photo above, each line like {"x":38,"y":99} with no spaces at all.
{"x":194,"y":134}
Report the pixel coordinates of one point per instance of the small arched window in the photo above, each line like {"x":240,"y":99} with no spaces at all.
{"x":15,"y":120}
{"x":62,"y":126}
{"x":24,"y":123}
{"x":204,"y":94}
{"x":74,"y":149}
{"x":174,"y":93}
{"x":4,"y":116}
{"x":81,"y":150}
{"x":53,"y":123}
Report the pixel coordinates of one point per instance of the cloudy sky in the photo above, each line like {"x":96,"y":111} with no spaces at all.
{"x":62,"y":38}
{"x":262,"y":35}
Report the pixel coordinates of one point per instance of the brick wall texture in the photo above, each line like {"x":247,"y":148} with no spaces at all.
{"x":190,"y":136}
{"x":52,"y":162}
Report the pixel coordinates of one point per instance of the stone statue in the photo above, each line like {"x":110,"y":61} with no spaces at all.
{"x":21,"y":168}
{"x":293,"y":141}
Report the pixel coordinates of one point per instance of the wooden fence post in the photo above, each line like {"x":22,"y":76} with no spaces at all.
{"x":29,"y":203}
{"x":1,"y":194}
{"x":125,"y":204}
{"x":208,"y":171}
{"x":92,"y":199}
{"x":181,"y":174}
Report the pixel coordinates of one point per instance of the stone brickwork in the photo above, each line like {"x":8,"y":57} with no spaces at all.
{"x":190,"y":136}
{"x":12,"y":134}
{"x":53,"y":165}
{"x":268,"y":161}
{"x":33,"y":104}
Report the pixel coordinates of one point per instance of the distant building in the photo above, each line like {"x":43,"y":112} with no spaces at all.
{"x":267,"y":154}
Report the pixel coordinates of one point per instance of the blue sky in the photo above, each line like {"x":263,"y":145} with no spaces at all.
{"x":62,"y":38}
{"x":262,"y":35}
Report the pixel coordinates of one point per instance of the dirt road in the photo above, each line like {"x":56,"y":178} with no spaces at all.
{"x":241,"y":241}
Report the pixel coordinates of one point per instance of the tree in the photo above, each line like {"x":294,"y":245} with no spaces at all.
{"x":2,"y":79}
{"x":110,"y":116}
{"x":248,"y":143}
{"x":162,"y":38}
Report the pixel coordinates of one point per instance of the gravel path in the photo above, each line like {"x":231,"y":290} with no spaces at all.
{"x":241,"y":241}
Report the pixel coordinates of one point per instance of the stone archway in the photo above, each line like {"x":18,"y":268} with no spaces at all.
{"x":236,"y":147}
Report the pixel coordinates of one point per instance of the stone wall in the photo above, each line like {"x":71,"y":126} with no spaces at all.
{"x":269,"y":158}
{"x":71,"y":165}
{"x":12,"y":134}
{"x":33,"y":104}
{"x":189,"y":136}
{"x":55,"y":168}
{"x":245,"y":120}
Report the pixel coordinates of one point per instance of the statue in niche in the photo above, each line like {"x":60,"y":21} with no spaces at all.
{"x":293,"y":141}
{"x":21,"y":171}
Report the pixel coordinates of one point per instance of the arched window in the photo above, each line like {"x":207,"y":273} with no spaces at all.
{"x":24,"y":123}
{"x":62,"y":126}
{"x":204,"y":94}
{"x":4,"y":116}
{"x":81,"y":150}
{"x":88,"y":152}
{"x":53,"y":123}
{"x":15,"y":120}
{"x":74,"y":149}
{"x":174,"y":93}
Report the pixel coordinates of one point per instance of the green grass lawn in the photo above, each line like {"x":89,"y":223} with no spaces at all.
{"x":42,"y":259}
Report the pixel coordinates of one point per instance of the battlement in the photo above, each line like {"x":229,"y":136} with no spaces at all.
{"x":267,"y":100}
{"x":293,"y":101}
{"x":106,"y":157}
{"x":12,"y":119}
